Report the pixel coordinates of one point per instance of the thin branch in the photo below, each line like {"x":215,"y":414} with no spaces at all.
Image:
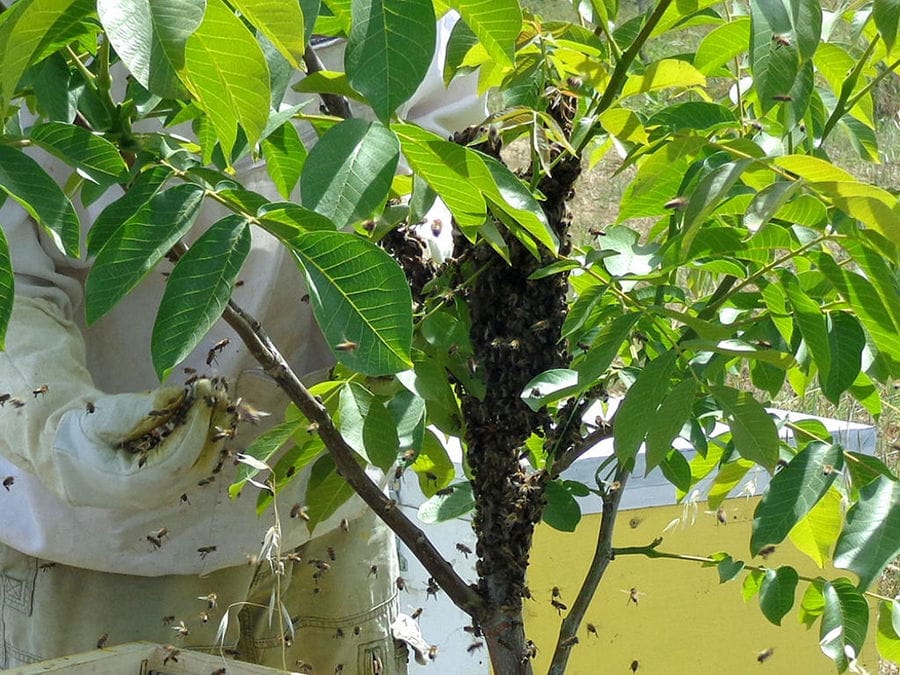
{"x":335,"y":104}
{"x":602,"y":555}
{"x":274,"y":364}
{"x":566,"y":459}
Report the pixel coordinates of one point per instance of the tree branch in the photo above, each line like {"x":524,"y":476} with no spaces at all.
{"x":274,"y":364}
{"x":335,"y":104}
{"x":602,"y":555}
{"x":570,"y":456}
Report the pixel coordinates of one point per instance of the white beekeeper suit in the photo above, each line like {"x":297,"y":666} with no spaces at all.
{"x":76,"y":561}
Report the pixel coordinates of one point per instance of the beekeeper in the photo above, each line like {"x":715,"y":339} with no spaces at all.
{"x":100,"y":545}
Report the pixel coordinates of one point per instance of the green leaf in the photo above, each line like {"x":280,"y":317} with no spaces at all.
{"x":844,"y":621}
{"x":361,"y":301}
{"x":433,"y":465}
{"x":846,"y":340}
{"x":451,"y":170}
{"x":887,"y":637}
{"x":92,"y":154}
{"x":728,"y":477}
{"x":767,"y":202}
{"x":865,"y":468}
{"x":751,"y":584}
{"x":289,"y":463}
{"x":605,"y":347}
{"x":711,"y":190}
{"x":722,"y":44}
{"x":367,"y":426}
{"x":817,"y":531}
{"x":326,"y":492}
{"x":667,"y":422}
{"x":288,"y":221}
{"x":677,"y":470}
{"x":263,"y":448}
{"x":886,"y":14}
{"x":24,"y":180}
{"x":774,"y":56}
{"x":813,"y":169}
{"x":641,"y":400}
{"x":139,"y":243}
{"x":150,"y":37}
{"x":550,"y":386}
{"x":728,"y":568}
{"x":328,"y":82}
{"x":812,"y":604}
{"x":811,"y":322}
{"x":442,"y":508}
{"x":871,"y":537}
{"x":281,"y":22}
{"x":497,"y":24}
{"x":793,"y":492}
{"x":776,"y":594}
{"x":754,"y":433}
{"x":348,"y":173}
{"x":389,"y":50}
{"x":698,"y":115}
{"x":141,"y":190}
{"x":27,"y":29}
{"x":285,"y":156}
{"x":221,"y":56}
{"x":197,"y":291}
{"x":7,"y":288}
{"x":663,"y":75}
{"x":561,"y":511}
{"x":507,"y":192}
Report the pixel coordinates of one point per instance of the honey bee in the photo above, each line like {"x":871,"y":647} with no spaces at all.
{"x":4,"y":398}
{"x":345,"y":525}
{"x":90,"y":407}
{"x":17,"y":403}
{"x":676,"y":203}
{"x":559,"y":606}
{"x":432,"y":588}
{"x":305,"y":298}
{"x":219,"y":433}
{"x":40,"y":391}
{"x":205,"y":481}
{"x":781,"y":41}
{"x":633,"y":596}
{"x":784,"y":98}
{"x":189,"y":371}
{"x":634,"y":666}
{"x":827,"y":470}
{"x":8,"y":482}
{"x":766,"y":551}
{"x":239,"y":283}
{"x":102,"y":640}
{"x":212,"y":600}
{"x":475,"y":646}
{"x":555,"y":592}
{"x":373,"y":571}
{"x":215,"y":349}
{"x":46,"y":566}
{"x":433,"y":652}
{"x":168,"y":619}
{"x":154,"y":541}
{"x":181,"y":629}
{"x":530,"y":651}
{"x":339,"y":668}
{"x":569,"y":642}
{"x":331,"y":554}
{"x":204,"y":616}
{"x":356,"y":631}
{"x":184,"y":498}
{"x":170,"y":653}
{"x":401,"y":583}
{"x":299,"y":511}
{"x":443,"y":492}
{"x":205,"y":551}
{"x":347,"y":346}
{"x":592,"y":630}
{"x":465,"y":550}
{"x":417,"y":612}
{"x":312,"y":428}
{"x":437,"y":225}
{"x":765,"y":655}
{"x":721,"y":516}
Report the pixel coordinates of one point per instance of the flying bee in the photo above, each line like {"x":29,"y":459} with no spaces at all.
{"x":205,"y":481}
{"x":766,"y":551}
{"x":338,"y":634}
{"x":592,"y":630}
{"x":400,"y":583}
{"x":721,"y":516}
{"x":633,"y":595}
{"x":204,"y":616}
{"x":465,"y":550}
{"x":433,"y":652}
{"x":40,"y":391}
{"x":46,"y":566}
{"x":239,"y":283}
{"x":432,"y":588}
{"x":345,"y":525}
{"x":305,"y":298}
{"x":4,"y":398}
{"x":184,"y":498}
{"x":827,"y":470}
{"x":676,"y":203}
{"x":181,"y":629}
{"x":331,"y":554}
{"x":443,"y":492}
{"x":17,"y":403}
{"x":90,"y":407}
{"x":8,"y":482}
{"x":783,"y":98}
{"x":569,"y":642}
{"x":102,"y":640}
{"x":154,"y":541}
{"x":189,"y":371}
{"x":356,"y":631}
{"x":219,"y":433}
{"x":205,"y":551}
{"x":437,"y":225}
{"x":765,"y":655}
{"x":555,"y":592}
{"x":530,"y":651}
{"x":781,"y":40}
{"x":347,"y":346}
{"x":417,"y":612}
{"x":211,"y":600}
{"x":215,"y":349}
{"x":246,"y":412}
{"x":634,"y":666}
{"x":559,"y":606}
{"x":475,"y":646}
{"x":373,"y":571}
{"x":300,"y":511}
